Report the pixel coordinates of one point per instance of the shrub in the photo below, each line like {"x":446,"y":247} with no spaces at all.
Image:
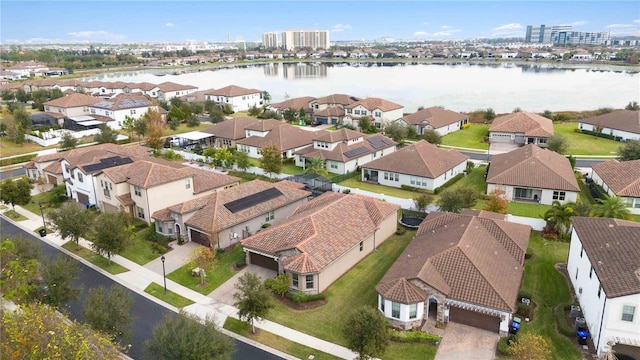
{"x":297,"y":296}
{"x":550,"y":233}
{"x":524,"y":310}
{"x":415,"y":189}
{"x":561,"y":321}
{"x":346,"y":191}
{"x":17,"y":159}
{"x":451,"y":181}
{"x":159,"y":248}
{"x":602,"y":135}
{"x":414,"y":336}
{"x":241,"y":263}
{"x":503,"y":345}
{"x":401,"y":230}
{"x":466,"y":126}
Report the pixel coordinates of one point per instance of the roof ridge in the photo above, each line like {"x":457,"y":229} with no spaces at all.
{"x":485,"y":278}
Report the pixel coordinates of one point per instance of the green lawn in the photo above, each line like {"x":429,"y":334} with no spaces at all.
{"x":139,"y":250}
{"x":275,"y":341}
{"x":9,"y":148}
{"x":355,"y":182}
{"x":527,"y":209}
{"x":548,"y":288}
{"x":475,"y":180}
{"x":170,"y":297}
{"x":583,"y":144}
{"x":14,"y":215}
{"x":220,"y":272}
{"x":183,"y":128}
{"x":35,"y":208}
{"x":473,"y":137}
{"x":291,"y":169}
{"x":94,"y":258}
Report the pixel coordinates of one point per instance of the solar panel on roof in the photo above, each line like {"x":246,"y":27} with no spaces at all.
{"x":252,"y":200}
{"x":378,"y":142}
{"x":107,"y":163}
{"x":356,"y":152}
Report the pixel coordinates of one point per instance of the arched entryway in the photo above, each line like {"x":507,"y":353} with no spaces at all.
{"x":432,"y":311}
{"x":178,"y":234}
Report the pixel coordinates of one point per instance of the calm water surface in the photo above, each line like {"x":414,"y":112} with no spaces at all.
{"x":457,"y":86}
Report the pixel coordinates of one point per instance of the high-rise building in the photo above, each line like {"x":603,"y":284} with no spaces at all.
{"x":535,"y":34}
{"x":314,"y":39}
{"x":564,"y":35}
{"x":270,"y":39}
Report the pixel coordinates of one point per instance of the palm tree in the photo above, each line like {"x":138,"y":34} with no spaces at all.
{"x":559,"y":217}
{"x":316,"y":166}
{"x":611,"y":207}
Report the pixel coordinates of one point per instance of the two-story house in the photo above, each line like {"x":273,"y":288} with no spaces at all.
{"x":73,"y":105}
{"x":441,"y":120}
{"x":168,"y":90}
{"x":287,"y":138}
{"x":380,"y":111}
{"x":238,"y":98}
{"x":118,"y":108}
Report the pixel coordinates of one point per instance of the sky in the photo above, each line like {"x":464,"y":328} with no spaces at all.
{"x":114,"y":21}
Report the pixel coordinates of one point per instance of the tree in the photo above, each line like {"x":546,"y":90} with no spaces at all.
{"x":497,"y":202}
{"x":155,"y":129}
{"x":186,"y":336}
{"x":629,"y":151}
{"x":68,"y":142}
{"x":558,"y":143}
{"x":489,"y":114}
{"x":252,"y":299}
{"x":271,"y":161}
{"x":108,"y":310}
{"x":215,"y":114}
{"x":559,"y":217}
{"x":176,"y":102}
{"x":422,"y":201}
{"x":140,"y":126}
{"x":302,"y":114}
{"x":530,"y":346}
{"x":16,"y":192}
{"x":396,"y":131}
{"x":316,"y":166}
{"x":111,"y":236}
{"x":458,"y":199}
{"x":224,"y":156}
{"x":632,"y":105}
{"x":128,"y":125}
{"x":548,"y":114}
{"x":241,"y":160}
{"x":412,"y":133}
{"x":254,"y":110}
{"x":176,"y":116}
{"x":192,"y":121}
{"x":58,"y":274}
{"x":173,"y":123}
{"x":72,"y":221}
{"x":365,"y":125}
{"x":366,"y":333}
{"x":197,"y":108}
{"x":8,"y":95}
{"x":18,"y":273}
{"x":107,"y":135}
{"x":431,"y":136}
{"x":290,"y":114}
{"x":611,"y":207}
{"x":266,"y":96}
{"x":57,"y":195}
{"x":203,"y":258}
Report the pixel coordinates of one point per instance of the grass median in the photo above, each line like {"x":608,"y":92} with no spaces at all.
{"x":169,"y":297}
{"x":94,"y":258}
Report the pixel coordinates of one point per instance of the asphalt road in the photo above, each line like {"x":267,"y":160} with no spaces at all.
{"x":147,"y":313}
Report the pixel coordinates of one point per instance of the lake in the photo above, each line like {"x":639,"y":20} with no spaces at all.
{"x":459,"y":86}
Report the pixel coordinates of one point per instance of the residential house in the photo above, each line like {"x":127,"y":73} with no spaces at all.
{"x":294,"y":103}
{"x":344,"y":151}
{"x":458,"y":268}
{"x":533,"y":174}
{"x":604,"y":269}
{"x":330,"y":101}
{"x":236,"y":97}
{"x":45,"y":168}
{"x":197,"y":96}
{"x":421,"y":165}
{"x":223,"y":218}
{"x":621,"y":179}
{"x":330,"y":116}
{"x":143,"y":187}
{"x":379,"y":111}
{"x":287,"y":138}
{"x":323,"y":239}
{"x":73,"y":105}
{"x":622,"y":124}
{"x":228,"y":132}
{"x":168,"y":90}
{"x":121,"y":107}
{"x":435,"y":118}
{"x":521,"y":128}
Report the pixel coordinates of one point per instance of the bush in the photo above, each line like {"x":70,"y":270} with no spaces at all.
{"x":524,"y":310}
{"x":401,"y":230}
{"x":414,"y":336}
{"x":451,"y":181}
{"x":550,"y":233}
{"x":159,"y":248}
{"x":597,"y":191}
{"x":602,"y":135}
{"x":466,"y":126}
{"x":561,"y":321}
{"x":297,"y":296}
{"x":503,"y":345}
{"x":241,"y":263}
{"x":152,"y":235}
{"x":415,"y":189}
{"x":17,"y":159}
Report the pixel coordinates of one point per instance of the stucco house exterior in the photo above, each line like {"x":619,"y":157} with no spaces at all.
{"x":293,"y":103}
{"x":168,"y":90}
{"x":436,"y":118}
{"x":458,"y":268}
{"x":533,"y":174}
{"x":521,"y":128}
{"x":76,"y":104}
{"x":225,"y":217}
{"x":45,"y":168}
{"x":330,"y":109}
{"x":118,"y":108}
{"x":621,"y":179}
{"x":226,"y":133}
{"x":380,"y":111}
{"x":421,"y":165}
{"x":620,"y":123}
{"x":604,"y":269}
{"x":319,"y":243}
{"x":287,"y":138}
{"x":238,"y":98}
{"x":344,"y":150}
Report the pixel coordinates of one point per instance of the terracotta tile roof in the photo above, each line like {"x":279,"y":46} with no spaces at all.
{"x":284,"y":137}
{"x":125,"y":199}
{"x":212,"y":216}
{"x":531,"y":166}
{"x":170,"y":86}
{"x":295,"y":103}
{"x":623,"y":178}
{"x":233,"y":91}
{"x":198,"y":96}
{"x":265,"y":125}
{"x":92,"y":154}
{"x":338,"y":153}
{"x":467,"y":258}
{"x":375,"y":103}
{"x":55,"y":115}
{"x":144,"y":86}
{"x":625,"y":120}
{"x":335,"y":99}
{"x":73,"y":100}
{"x":231,"y":129}
{"x":320,"y":231}
{"x":330,"y":111}
{"x":523,"y":122}
{"x":613,"y":247}
{"x":401,"y":291}
{"x":54,"y":168}
{"x":419,"y":159}
{"x":435,"y":116}
{"x":342,"y":134}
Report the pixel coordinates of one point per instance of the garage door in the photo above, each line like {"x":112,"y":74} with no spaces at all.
{"x":475,"y":319}
{"x":199,"y":237}
{"x":322,"y":120}
{"x":264,"y":261}
{"x":83,"y":198}
{"x":52,"y":179}
{"x":501,"y":138}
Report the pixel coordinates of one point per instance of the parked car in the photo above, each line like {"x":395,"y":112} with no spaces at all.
{"x":316,"y":123}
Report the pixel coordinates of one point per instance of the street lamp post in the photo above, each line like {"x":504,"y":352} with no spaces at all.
{"x":44,"y":223}
{"x":164,"y":275}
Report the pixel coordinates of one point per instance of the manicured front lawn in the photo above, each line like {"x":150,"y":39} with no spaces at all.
{"x":35,"y":208}
{"x":139,"y":250}
{"x":379,"y":189}
{"x":94,"y":258}
{"x":469,"y":138}
{"x":275,"y":341}
{"x":220,"y":272}
{"x":548,"y":289}
{"x":584,"y":144}
{"x":170,"y":297}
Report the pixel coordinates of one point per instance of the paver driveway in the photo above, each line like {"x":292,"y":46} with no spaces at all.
{"x":468,"y":343}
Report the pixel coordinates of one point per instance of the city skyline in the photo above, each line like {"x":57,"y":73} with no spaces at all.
{"x":220,"y":21}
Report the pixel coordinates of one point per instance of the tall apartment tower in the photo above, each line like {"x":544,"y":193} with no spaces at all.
{"x":314,"y":39}
{"x":535,"y":34}
{"x":270,"y":39}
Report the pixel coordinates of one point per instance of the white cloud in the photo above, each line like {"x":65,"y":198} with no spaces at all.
{"x":624,"y":29}
{"x":620,"y":26}
{"x":578,"y":23}
{"x":100,"y":35}
{"x":507,"y":30}
{"x":340,"y":27}
{"x":36,"y":40}
{"x":636,"y":21}
{"x":445,"y":31}
{"x":420,"y":34}
{"x":444,"y":27}
{"x":169,"y":24}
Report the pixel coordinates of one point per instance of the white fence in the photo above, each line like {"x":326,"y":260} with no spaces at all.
{"x":536,"y":224}
{"x":53,"y":137}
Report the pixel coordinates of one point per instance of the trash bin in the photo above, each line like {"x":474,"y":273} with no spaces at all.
{"x":42,"y":232}
{"x":575,"y":311}
{"x":582,"y":331}
{"x":515,"y":326}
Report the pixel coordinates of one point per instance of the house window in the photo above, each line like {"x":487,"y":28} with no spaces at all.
{"x":294,"y":280}
{"x":80,"y":177}
{"x":133,"y":111}
{"x":140,"y":212}
{"x":361,"y":245}
{"x":107,"y":194}
{"x":334,"y":165}
{"x":309,"y":281}
{"x":599,"y":290}
{"x":382,"y":304}
{"x":577,"y":270}
{"x":378,"y":114}
{"x":627,"y":312}
{"x":187,"y":184}
{"x":559,"y":195}
{"x":169,"y":229}
{"x":137,"y":190}
{"x":523,"y":193}
{"x":269,"y":216}
{"x":591,"y":272}
{"x":159,"y":227}
{"x":581,"y":251}
{"x":413,"y":311}
{"x":395,"y":310}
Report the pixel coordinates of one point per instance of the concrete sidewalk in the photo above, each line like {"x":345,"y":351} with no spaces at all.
{"x":139,"y":277}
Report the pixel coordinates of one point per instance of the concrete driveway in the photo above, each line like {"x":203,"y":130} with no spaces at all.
{"x":467,"y":342}
{"x":224,"y":293}
{"x":501,"y":148}
{"x":174,"y":259}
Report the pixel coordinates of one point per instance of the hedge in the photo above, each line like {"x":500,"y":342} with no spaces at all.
{"x":301,"y":297}
{"x":414,"y":336}
{"x":597,"y":191}
{"x":17,"y":159}
{"x":602,"y":135}
{"x":561,"y":320}
{"x":451,"y":181}
{"x":415,"y":189}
